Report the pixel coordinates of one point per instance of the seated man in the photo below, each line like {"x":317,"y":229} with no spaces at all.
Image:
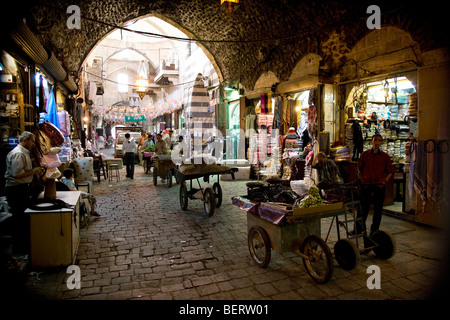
{"x":70,"y":183}
{"x":328,"y":171}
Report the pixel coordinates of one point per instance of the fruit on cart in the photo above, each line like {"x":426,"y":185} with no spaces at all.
{"x":312,"y":199}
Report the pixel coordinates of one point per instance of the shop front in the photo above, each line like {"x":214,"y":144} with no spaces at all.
{"x":393,"y":93}
{"x":386,"y":106}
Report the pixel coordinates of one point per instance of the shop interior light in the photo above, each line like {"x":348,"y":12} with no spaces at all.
{"x":230,"y":88}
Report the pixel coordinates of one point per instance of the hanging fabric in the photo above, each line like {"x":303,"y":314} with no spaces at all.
{"x":269,"y":103}
{"x":288,"y":113}
{"x":41,"y":94}
{"x":312,"y":121}
{"x":284,"y":125}
{"x":263,"y":103}
{"x":276,"y":114}
{"x":52,"y":115}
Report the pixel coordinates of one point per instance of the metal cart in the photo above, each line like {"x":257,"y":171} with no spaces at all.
{"x":163,"y":167}
{"x":276,"y":226}
{"x":211,"y":196}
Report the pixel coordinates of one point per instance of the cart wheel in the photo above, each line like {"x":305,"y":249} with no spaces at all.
{"x":385,"y":244}
{"x":209,"y":201}
{"x":319,"y":263}
{"x":155,"y":176}
{"x":346,"y":254}
{"x":218,"y":194}
{"x":184,"y":197}
{"x":169,"y":178}
{"x":259,"y":246}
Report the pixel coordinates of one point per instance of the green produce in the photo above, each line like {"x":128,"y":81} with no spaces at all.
{"x":312,"y":199}
{"x":150,"y":148}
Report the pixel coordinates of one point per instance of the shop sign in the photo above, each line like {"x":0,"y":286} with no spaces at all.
{"x":135,"y":119}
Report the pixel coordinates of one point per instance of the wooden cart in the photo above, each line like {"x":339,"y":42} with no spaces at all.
{"x":211,"y":196}
{"x":163,"y":167}
{"x":300,"y":232}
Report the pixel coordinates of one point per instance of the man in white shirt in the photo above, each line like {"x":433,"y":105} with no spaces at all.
{"x":19,"y":175}
{"x":129,"y":148}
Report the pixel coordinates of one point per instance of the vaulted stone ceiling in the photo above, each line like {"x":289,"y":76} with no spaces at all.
{"x":260,"y":36}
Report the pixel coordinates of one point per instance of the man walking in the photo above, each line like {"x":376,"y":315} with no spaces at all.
{"x":375,"y":169}
{"x":129,"y":148}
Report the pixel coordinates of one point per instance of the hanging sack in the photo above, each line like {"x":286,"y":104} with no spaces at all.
{"x":43,"y":142}
{"x":52,"y":132}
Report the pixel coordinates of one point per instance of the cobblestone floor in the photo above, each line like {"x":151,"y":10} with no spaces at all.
{"x":144,"y":247}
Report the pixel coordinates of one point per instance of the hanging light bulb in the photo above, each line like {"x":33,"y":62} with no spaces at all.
{"x":142,"y":80}
{"x":229,"y":5}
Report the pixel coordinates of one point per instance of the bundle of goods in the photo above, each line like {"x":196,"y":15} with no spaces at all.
{"x":291,"y":139}
{"x":412,"y":109}
{"x":340,"y":153}
{"x":201,"y":165}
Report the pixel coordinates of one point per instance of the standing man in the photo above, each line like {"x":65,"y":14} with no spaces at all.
{"x":19,"y":175}
{"x":168,"y":139}
{"x":140,"y":145}
{"x":375,"y":168}
{"x":129,"y":148}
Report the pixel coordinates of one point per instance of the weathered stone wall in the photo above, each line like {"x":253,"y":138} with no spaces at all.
{"x":260,"y":36}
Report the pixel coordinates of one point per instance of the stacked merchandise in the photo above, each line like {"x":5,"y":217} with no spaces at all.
{"x":390,"y":148}
{"x":349,"y":136}
{"x":403,"y":132}
{"x":341,"y":153}
{"x":264,"y":121}
{"x":412,"y":109}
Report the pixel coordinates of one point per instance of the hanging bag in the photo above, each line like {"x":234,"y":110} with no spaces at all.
{"x":52,"y":132}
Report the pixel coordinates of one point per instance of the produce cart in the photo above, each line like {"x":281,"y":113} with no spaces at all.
{"x":163,"y":167}
{"x":147,"y":160}
{"x":211,"y":196}
{"x":279,"y":226}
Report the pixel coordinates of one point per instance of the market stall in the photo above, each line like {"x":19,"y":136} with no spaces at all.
{"x":387,"y":107}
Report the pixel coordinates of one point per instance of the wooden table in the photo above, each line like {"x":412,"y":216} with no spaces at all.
{"x":55,"y":234}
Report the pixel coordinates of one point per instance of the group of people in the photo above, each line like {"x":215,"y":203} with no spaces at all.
{"x":163,"y":145}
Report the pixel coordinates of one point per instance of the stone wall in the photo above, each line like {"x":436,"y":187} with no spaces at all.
{"x":259,"y":37}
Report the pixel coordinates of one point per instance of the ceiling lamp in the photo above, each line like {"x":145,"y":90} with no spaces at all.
{"x":142,"y":80}
{"x":229,"y":5}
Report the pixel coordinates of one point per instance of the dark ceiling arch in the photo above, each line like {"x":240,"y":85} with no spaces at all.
{"x":260,"y":36}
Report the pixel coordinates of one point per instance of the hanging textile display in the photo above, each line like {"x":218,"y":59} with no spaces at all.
{"x":312,"y":121}
{"x":263,"y":103}
{"x":52,"y":115}
{"x":41,"y":95}
{"x":269,"y":103}
{"x":198,"y":111}
{"x":276,"y":114}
